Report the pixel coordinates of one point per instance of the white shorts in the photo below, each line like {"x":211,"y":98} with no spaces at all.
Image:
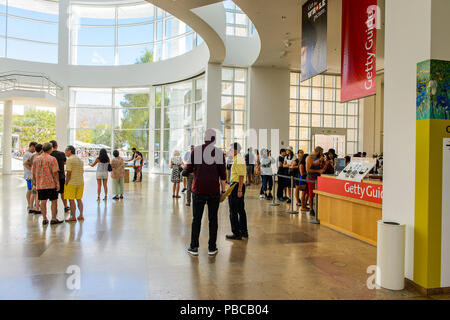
{"x":102,"y":175}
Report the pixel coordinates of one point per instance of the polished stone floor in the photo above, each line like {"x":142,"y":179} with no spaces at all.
{"x":136,"y":249}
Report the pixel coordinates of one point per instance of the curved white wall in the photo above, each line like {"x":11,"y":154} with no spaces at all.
{"x":171,"y":70}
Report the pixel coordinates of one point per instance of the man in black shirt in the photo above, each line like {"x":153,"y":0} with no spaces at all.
{"x":61,"y":158}
{"x":282,"y":171}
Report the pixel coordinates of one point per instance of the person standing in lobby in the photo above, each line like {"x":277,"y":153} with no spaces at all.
{"x":61,"y":158}
{"x":238,"y":216}
{"x":208,"y":166}
{"x":250,"y":164}
{"x":74,"y":183}
{"x":190,"y":177}
{"x":117,"y":175}
{"x":27,"y":174}
{"x":102,"y":173}
{"x":133,"y":155}
{"x":266,"y":173}
{"x":35,"y":204}
{"x":46,"y":176}
{"x":315,"y":166}
{"x":281,"y":171}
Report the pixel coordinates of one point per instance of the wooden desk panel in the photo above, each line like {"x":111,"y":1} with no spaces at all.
{"x":352,"y":217}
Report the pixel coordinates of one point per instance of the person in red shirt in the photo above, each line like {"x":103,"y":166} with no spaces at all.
{"x":208,"y":166}
{"x":45,"y":175}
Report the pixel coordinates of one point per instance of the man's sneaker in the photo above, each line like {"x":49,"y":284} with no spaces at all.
{"x":269,"y":197}
{"x":233,"y":237}
{"x":184,"y":189}
{"x":281,"y":199}
{"x":261,"y":196}
{"x":288,"y":200}
{"x":213,"y":252}
{"x":193,"y":251}
{"x":245,"y":235}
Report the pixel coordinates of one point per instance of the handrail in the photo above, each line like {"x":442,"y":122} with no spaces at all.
{"x":18,"y":80}
{"x":29,"y":74}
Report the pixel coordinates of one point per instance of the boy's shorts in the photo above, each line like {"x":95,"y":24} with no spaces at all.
{"x":73,"y":192}
{"x":29,"y":185}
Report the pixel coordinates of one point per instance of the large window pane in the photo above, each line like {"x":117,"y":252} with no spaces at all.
{"x":92,"y":15}
{"x":49,"y":9}
{"x":26,"y":50}
{"x":85,"y":118}
{"x":135,"y":13}
{"x":94,"y":56}
{"x":135,"y":34}
{"x":131,"y":118}
{"x":178,"y":94}
{"x":134,"y":54}
{"x":32,"y":30}
{"x":96,"y":36}
{"x":92,"y":98}
{"x":127,"y":139}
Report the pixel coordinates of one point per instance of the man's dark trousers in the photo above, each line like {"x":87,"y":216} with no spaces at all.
{"x":238,"y":216}
{"x":198,"y":206}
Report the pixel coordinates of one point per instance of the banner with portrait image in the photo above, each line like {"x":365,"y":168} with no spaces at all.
{"x":359,"y":49}
{"x":314,"y":38}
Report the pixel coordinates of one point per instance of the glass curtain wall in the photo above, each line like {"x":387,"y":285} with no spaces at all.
{"x":237,"y":22}
{"x":29,"y":30}
{"x":127,"y":34}
{"x":110,"y":118}
{"x":30,"y":123}
{"x":315,"y":103}
{"x":179,"y":120}
{"x":233,"y":106}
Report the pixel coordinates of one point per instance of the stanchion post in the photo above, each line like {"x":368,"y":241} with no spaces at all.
{"x":315,"y":208}
{"x":274,"y":203}
{"x":291,"y":209}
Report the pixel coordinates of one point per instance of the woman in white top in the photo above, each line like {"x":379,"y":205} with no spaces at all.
{"x":102,"y":173}
{"x":176,"y":166}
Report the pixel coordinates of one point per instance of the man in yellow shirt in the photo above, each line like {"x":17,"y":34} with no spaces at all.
{"x":74,"y":183}
{"x":238,"y":217}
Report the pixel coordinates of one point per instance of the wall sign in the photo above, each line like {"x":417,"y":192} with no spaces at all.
{"x":369,"y":192}
{"x":314,"y":38}
{"x":359,"y":49}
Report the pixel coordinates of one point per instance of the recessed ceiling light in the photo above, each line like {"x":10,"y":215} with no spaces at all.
{"x":283,"y":17}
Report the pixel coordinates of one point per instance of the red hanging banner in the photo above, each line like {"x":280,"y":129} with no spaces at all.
{"x":359,"y":48}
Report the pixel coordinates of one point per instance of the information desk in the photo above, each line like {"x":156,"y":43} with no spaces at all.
{"x":350,"y":207}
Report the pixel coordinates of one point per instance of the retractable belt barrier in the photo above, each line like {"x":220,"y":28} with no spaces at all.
{"x":314,"y":211}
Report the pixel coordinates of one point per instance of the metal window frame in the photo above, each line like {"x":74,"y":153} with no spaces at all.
{"x":163,"y":42}
{"x":322,"y":114}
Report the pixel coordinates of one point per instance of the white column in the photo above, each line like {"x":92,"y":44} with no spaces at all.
{"x":62,"y":126}
{"x":427,"y":23}
{"x":7,"y":136}
{"x":63,"y":33}
{"x":269,"y":104}
{"x":213,"y":95}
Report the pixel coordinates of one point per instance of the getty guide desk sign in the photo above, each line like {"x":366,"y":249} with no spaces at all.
{"x":357,"y":169}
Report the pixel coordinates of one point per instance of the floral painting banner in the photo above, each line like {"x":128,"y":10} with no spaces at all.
{"x":433,"y":90}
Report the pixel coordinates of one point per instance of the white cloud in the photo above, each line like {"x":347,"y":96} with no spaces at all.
{"x":98,"y":59}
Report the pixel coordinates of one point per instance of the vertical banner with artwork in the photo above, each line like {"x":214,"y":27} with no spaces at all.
{"x":314,"y":38}
{"x":359,"y":48}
